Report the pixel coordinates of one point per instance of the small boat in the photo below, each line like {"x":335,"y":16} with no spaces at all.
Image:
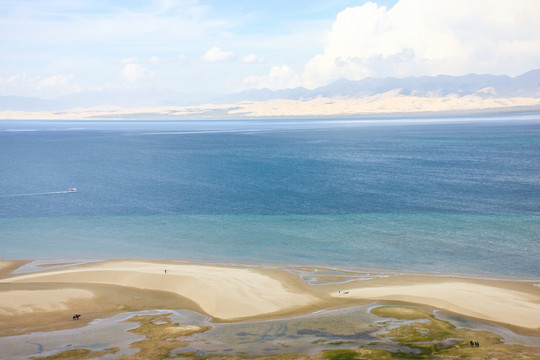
{"x":72,"y":190}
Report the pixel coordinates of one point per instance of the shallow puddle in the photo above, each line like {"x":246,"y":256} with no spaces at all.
{"x":310,"y":334}
{"x":99,"y":335}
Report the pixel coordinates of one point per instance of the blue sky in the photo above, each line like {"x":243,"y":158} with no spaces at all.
{"x":51,"y":48}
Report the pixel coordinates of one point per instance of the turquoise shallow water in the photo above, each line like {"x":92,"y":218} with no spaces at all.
{"x":439,"y":195}
{"x":468,"y":244}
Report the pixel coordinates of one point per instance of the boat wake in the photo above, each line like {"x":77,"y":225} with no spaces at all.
{"x":70,"y":190}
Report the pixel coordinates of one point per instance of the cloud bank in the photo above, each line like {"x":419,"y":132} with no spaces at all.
{"x":420,"y":37}
{"x":58,"y":48}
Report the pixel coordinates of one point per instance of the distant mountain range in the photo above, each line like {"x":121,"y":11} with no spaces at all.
{"x":484,"y":86}
{"x":496,"y":86}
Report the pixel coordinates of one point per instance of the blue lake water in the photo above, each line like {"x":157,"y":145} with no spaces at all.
{"x":434,"y":195}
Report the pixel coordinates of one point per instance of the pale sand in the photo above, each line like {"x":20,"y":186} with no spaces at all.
{"x":233,"y":292}
{"x":391,"y":102}
{"x":387,"y":103}
{"x":18,"y":302}
{"x":471,"y":299}
{"x":222,"y":292}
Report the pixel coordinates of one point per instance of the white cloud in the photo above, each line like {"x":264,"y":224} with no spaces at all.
{"x":135,"y":72}
{"x":215,"y":54}
{"x":279,"y":77}
{"x":55,"y":81}
{"x":425,"y":37}
{"x":252,"y":59}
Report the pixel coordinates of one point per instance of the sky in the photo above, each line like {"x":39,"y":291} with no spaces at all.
{"x":52,"y":48}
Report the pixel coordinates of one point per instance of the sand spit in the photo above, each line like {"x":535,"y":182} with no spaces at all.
{"x":230,"y":293}
{"x":222,"y":292}
{"x":489,"y":302}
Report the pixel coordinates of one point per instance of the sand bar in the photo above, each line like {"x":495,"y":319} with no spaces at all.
{"x":222,"y":292}
{"x":478,"y":300}
{"x":238,"y":292}
{"x":18,"y":302}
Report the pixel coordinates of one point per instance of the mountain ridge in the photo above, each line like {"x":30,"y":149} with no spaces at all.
{"x":482,"y":85}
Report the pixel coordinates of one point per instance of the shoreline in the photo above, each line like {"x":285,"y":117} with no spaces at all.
{"x":301,"y":270}
{"x":246,"y":292}
{"x":378,"y":106}
{"x":390,"y":117}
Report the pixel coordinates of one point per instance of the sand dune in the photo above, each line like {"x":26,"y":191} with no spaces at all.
{"x":387,"y":104}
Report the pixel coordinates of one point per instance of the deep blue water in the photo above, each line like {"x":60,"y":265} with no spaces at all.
{"x":449,"y":196}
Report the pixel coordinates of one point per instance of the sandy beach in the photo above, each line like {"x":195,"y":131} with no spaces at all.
{"x":229,"y":293}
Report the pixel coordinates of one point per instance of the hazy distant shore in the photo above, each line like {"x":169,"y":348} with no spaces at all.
{"x":389,"y":104}
{"x":46,"y":299}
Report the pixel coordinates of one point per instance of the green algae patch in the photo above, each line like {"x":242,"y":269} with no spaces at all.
{"x":77,"y":354}
{"x":499,"y":352}
{"x":357,"y":354}
{"x":289,"y":356}
{"x":430,"y":338}
{"x":426,"y":335}
{"x":399,"y":312}
{"x":415,"y":333}
{"x":421,"y":326}
{"x":160,"y":336}
{"x":160,"y":327}
{"x":418,"y":335}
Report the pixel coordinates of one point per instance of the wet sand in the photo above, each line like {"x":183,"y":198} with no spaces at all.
{"x":45,"y":299}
